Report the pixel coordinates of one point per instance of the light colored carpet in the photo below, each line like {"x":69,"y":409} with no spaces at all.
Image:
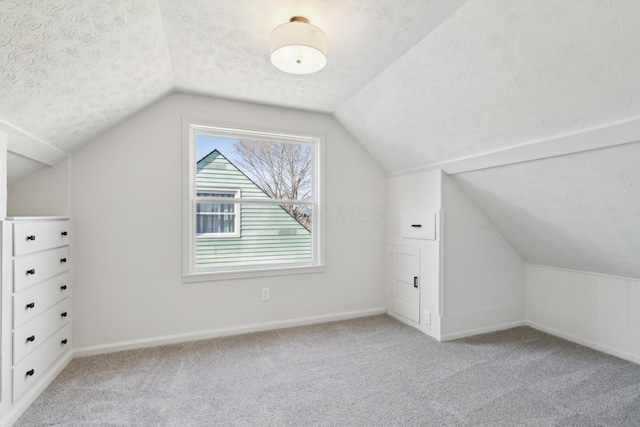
{"x":372,"y":371}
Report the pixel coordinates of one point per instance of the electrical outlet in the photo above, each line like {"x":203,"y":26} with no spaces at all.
{"x":426,"y":317}
{"x":265,"y":294}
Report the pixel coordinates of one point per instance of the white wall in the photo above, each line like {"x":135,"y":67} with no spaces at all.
{"x":596,"y":310}
{"x":483,"y":275}
{"x":576,"y":211}
{"x":3,"y":175}
{"x":414,"y":192}
{"x":127,"y":222}
{"x":44,"y":193}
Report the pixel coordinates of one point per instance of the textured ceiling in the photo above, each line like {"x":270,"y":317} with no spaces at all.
{"x":73,"y":68}
{"x":416,"y":83}
{"x":500,"y":73}
{"x":70,"y":69}
{"x":221,"y":48}
{"x":580,"y":211}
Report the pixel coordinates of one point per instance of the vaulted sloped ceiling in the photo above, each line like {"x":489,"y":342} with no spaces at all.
{"x":417,"y":83}
{"x":500,"y":73}
{"x":221,"y":48}
{"x":580,"y":211}
{"x":73,"y":68}
{"x":70,"y":69}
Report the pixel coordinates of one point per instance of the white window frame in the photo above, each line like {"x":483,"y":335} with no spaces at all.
{"x":190,"y":273}
{"x":236,"y":210}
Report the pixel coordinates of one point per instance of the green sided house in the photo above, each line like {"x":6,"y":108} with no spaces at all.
{"x":237,"y":234}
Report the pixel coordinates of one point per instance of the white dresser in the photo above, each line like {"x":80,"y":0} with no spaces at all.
{"x":35,"y":290}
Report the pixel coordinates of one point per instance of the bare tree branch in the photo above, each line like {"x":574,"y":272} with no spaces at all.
{"x":282,"y":171}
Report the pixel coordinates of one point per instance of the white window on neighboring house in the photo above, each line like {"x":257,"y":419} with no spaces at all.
{"x":215,"y":219}
{"x":252,"y":203}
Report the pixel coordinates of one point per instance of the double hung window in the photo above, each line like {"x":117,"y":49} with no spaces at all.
{"x":214,"y":219}
{"x":252,"y":203}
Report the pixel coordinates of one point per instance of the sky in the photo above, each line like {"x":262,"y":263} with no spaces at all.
{"x":206,"y":144}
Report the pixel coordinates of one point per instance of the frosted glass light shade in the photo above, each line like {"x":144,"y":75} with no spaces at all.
{"x":298,"y":47}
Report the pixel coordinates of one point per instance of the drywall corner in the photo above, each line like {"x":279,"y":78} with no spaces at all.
{"x":595,"y":310}
{"x":44,"y":193}
{"x":3,"y":175}
{"x":483,"y":276}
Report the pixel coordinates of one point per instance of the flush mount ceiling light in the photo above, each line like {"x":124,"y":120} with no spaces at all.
{"x":298,"y":47}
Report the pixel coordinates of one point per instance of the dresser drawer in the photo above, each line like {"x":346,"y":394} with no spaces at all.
{"x":35,"y":236}
{"x":31,"y":369}
{"x":31,"y":269}
{"x":39,"y":298}
{"x":29,"y":337}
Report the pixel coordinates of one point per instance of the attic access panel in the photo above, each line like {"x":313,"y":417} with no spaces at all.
{"x":419,"y":224}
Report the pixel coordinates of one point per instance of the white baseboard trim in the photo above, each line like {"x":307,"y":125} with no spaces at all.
{"x":481,"y":321}
{"x":432,"y":330}
{"x":585,"y":342}
{"x":402,"y":319}
{"x":32,"y":394}
{"x":215,"y":333}
{"x":484,"y":330}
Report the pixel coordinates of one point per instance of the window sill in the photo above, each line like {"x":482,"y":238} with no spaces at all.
{"x":247,"y":274}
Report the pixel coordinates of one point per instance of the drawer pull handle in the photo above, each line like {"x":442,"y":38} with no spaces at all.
{"x":31,"y":372}
{"x":32,"y":237}
{"x":30,"y":305}
{"x":64,"y":233}
{"x":63,"y":287}
{"x":64,"y":314}
{"x":63,"y":342}
{"x":32,"y":271}
{"x":63,"y":260}
{"x":32,"y":338}
{"x":416,"y":225}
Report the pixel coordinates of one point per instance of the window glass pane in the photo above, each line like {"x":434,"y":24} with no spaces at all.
{"x":210,"y":218}
{"x":276,"y":170}
{"x":211,"y":223}
{"x":270,"y":235}
{"x":215,"y":218}
{"x":214,"y":207}
{"x":270,"y":222}
{"x":213,"y":194}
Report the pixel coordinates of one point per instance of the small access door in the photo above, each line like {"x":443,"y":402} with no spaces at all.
{"x":405,"y":291}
